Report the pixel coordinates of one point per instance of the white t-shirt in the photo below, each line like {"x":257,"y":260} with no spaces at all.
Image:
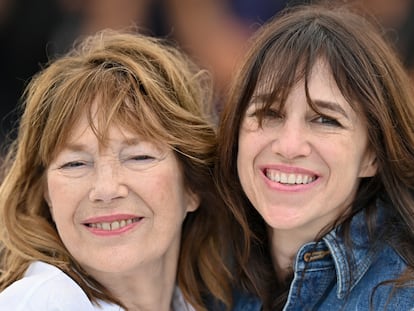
{"x":47,"y":288}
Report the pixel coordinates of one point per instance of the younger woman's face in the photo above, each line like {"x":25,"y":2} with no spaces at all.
{"x":301,"y":169}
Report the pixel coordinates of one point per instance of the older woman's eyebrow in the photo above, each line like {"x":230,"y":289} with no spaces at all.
{"x":75,"y":146}
{"x":333,"y":106}
{"x":78,"y":146}
{"x":132,"y":141}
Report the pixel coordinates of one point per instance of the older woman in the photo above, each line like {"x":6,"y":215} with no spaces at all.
{"x":108,"y":201}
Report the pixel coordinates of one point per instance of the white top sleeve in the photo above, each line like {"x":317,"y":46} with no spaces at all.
{"x":47,"y":288}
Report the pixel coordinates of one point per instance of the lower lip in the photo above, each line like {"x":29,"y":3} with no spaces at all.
{"x":288,"y":188}
{"x":116,"y":232}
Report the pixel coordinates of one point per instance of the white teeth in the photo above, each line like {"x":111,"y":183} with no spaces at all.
{"x":290,"y":179}
{"x":108,"y":226}
{"x":283,"y":178}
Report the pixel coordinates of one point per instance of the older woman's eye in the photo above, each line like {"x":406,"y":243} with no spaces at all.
{"x":75,"y":169}
{"x":72,"y":164}
{"x":142,"y":157}
{"x":142,"y":162}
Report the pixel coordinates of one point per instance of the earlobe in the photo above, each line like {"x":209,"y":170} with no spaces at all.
{"x":370,"y":167}
{"x":193,"y":201}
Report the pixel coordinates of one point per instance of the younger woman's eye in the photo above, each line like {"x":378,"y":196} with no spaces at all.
{"x":325,"y":120}
{"x":271,"y":113}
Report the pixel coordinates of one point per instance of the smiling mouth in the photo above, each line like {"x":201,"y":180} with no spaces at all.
{"x":113,"y":225}
{"x":289,"y":178}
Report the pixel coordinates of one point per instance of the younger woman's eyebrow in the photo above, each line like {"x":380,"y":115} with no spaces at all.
{"x":333,"y":106}
{"x":262,"y":99}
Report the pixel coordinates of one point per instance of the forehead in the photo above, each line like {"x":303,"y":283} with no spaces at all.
{"x":99,"y":125}
{"x":322,"y":83}
{"x":318,"y":90}
{"x":319,"y":80}
{"x":107,"y":132}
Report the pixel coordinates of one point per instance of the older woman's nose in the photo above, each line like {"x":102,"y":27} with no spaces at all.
{"x":108,"y":183}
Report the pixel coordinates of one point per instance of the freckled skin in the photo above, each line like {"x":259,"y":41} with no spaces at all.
{"x":85,"y":182}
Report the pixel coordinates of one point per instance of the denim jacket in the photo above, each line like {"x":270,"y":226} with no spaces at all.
{"x":322,"y":279}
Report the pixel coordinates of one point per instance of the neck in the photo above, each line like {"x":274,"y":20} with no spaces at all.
{"x":149,"y":288}
{"x":284,"y":246}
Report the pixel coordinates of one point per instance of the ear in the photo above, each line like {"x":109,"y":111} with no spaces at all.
{"x":369,"y":165}
{"x":193,"y":201}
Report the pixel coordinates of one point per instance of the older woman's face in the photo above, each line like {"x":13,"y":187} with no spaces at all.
{"x":301,"y":170}
{"x":118,"y":208}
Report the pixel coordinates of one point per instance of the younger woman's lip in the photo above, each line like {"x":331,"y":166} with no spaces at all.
{"x":289,"y":178}
{"x":288,"y":169}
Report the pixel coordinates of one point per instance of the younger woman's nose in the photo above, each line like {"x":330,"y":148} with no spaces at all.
{"x":291,"y":140}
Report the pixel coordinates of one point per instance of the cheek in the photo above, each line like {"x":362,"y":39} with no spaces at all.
{"x":242,"y":156}
{"x":63,"y":196}
{"x":344,"y":160}
{"x":245,"y":147}
{"x":164,"y":193}
{"x":63,"y":191}
{"x":251,"y":144}
{"x":245,"y":161}
{"x":162,"y":187}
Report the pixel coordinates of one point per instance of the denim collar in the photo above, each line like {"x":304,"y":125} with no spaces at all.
{"x":350,"y":264}
{"x":363,"y":252}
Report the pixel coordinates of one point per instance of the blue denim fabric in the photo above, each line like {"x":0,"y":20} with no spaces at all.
{"x":244,"y":302}
{"x":241,"y":302}
{"x":325,"y":280}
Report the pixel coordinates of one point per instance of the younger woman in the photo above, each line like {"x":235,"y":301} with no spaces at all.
{"x":316,"y":159}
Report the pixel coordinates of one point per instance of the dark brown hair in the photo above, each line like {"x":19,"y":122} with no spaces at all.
{"x":370,"y":77}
